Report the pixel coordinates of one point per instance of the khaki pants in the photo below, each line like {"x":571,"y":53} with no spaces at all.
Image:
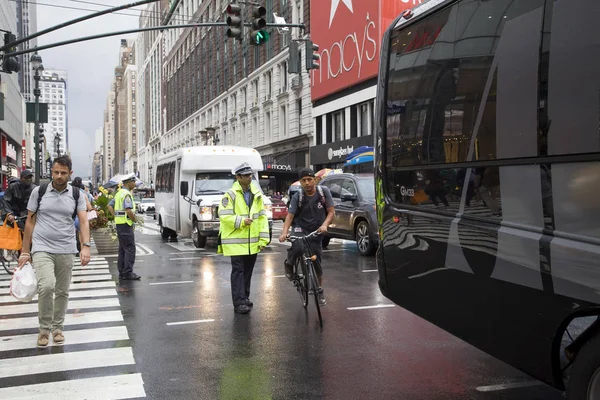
{"x":53,"y":272}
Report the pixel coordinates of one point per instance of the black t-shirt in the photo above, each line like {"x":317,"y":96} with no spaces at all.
{"x":312,"y":214}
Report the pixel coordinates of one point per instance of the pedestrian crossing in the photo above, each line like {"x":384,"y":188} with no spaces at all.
{"x":96,"y":360}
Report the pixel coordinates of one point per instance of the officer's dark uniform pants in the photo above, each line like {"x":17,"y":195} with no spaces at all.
{"x":126,"y":249}
{"x":241,"y":275}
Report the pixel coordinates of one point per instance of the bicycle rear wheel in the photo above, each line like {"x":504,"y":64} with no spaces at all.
{"x":302,"y":282}
{"x":10,"y":260}
{"x":314,"y":284}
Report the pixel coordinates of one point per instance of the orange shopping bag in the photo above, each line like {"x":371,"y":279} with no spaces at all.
{"x":10,"y":237}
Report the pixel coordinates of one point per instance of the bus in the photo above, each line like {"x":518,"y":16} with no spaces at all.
{"x":487,"y":165}
{"x":204,"y":171}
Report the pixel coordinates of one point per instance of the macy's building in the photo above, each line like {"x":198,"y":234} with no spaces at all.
{"x":349,"y":35}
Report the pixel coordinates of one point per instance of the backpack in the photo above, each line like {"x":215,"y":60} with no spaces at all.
{"x":42,"y":191}
{"x":321,"y":196}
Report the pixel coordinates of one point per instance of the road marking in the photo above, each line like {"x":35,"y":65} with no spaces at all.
{"x":507,"y":386}
{"x":65,"y":362}
{"x":107,"y":387}
{"x":184,"y":252}
{"x":73,"y":305}
{"x":198,"y":321}
{"x":192,"y":258}
{"x":70,"y":319}
{"x":75,"y":286}
{"x":72,"y":295}
{"x":90,"y":271}
{"x":369,"y":307}
{"x":369,"y":270}
{"x":169,"y":283}
{"x":91,"y":278}
{"x":80,"y":336}
{"x":279,"y":276}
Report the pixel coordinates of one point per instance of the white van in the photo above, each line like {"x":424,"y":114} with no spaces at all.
{"x":190,"y":183}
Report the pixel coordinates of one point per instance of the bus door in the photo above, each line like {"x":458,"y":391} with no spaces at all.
{"x":176,"y":195}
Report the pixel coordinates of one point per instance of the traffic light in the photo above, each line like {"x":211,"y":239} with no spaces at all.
{"x":10,"y":64}
{"x":312,"y":57}
{"x":259,"y":34}
{"x":295,"y":64}
{"x":234,"y":21}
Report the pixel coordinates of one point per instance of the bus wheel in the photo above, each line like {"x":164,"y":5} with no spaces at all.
{"x":584,"y":383}
{"x":197,"y":238}
{"x":164,"y":232}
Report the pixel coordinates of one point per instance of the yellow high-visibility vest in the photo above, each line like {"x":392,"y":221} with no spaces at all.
{"x":120,"y":213}
{"x":237,"y":238}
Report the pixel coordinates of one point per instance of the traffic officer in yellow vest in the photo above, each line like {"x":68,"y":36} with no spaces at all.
{"x":243,"y":232}
{"x":124,"y":219}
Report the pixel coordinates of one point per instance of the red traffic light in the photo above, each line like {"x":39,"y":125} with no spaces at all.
{"x":234,"y":9}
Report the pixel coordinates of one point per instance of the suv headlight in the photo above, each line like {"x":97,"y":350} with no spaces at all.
{"x":269,"y":210}
{"x":205,"y":213}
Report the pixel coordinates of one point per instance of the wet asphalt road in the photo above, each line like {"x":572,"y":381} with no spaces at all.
{"x":189,"y":344}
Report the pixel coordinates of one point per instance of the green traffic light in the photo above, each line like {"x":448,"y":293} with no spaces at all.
{"x":260,"y":37}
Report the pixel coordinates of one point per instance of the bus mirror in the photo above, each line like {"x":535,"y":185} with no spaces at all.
{"x":183,"y":189}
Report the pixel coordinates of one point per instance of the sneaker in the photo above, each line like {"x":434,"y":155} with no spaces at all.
{"x":43,"y":338}
{"x":242,"y":309}
{"x":58,"y":337}
{"x":289,"y":270}
{"x":249,"y":303}
{"x":321,"y":296}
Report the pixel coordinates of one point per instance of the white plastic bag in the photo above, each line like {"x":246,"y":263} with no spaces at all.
{"x":23,"y":285}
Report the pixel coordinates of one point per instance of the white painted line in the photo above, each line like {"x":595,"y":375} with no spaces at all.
{"x":70,"y":319}
{"x":184,"y":252}
{"x":90,"y":271}
{"x":192,"y":258}
{"x":169,"y":283}
{"x":81,"y":336}
{"x":369,"y":270}
{"x":106,"y":387}
{"x":91,"y":278}
{"x":369,"y":307}
{"x":507,"y":386}
{"x":278,"y":276}
{"x":65,"y":362}
{"x":78,"y":294}
{"x":198,"y":321}
{"x":73,"y":305}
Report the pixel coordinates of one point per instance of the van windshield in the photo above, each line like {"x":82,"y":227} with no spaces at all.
{"x":213,"y":183}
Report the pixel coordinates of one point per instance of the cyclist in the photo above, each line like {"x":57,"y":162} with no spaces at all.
{"x":16,"y":197}
{"x":311,"y":209}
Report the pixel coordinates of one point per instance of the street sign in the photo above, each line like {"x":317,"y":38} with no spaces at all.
{"x":30,"y":113}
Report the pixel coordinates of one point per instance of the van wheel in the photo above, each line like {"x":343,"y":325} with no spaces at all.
{"x":164,"y":232}
{"x":365,"y":245}
{"x":585,"y":375}
{"x":197,"y":238}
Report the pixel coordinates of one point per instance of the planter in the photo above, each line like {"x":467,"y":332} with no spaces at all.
{"x":104,"y":242}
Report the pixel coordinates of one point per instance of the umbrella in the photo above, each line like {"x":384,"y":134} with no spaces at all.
{"x":323,"y":172}
{"x":359,"y":151}
{"x":363,"y":158}
{"x":297,"y":183}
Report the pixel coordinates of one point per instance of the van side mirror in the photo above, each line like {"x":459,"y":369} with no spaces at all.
{"x":183,"y":188}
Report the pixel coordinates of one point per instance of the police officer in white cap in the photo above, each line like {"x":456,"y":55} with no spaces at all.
{"x":243,"y":232}
{"x":124,"y":219}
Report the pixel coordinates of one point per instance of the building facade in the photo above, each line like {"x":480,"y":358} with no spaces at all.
{"x":343,"y":90}
{"x":218,"y":91}
{"x":53,"y":86}
{"x":131,"y":136}
{"x":26,"y":25}
{"x":108,"y":154}
{"x":12,"y":126}
{"x":149,"y":56}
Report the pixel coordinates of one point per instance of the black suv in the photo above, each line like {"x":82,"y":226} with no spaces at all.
{"x":355,"y":217}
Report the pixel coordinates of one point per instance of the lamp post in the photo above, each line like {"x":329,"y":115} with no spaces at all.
{"x":57,"y":144}
{"x":150,"y":176}
{"x":36,"y":64}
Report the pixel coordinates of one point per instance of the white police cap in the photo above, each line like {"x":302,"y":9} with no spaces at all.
{"x":128,"y":177}
{"x":242,"y":169}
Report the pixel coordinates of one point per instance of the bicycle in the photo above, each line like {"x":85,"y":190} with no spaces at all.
{"x":305,"y":276}
{"x":10,"y":258}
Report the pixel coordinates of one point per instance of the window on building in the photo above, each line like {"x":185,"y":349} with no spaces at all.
{"x":268,"y":85}
{"x":283,"y":126}
{"x":339,"y":122}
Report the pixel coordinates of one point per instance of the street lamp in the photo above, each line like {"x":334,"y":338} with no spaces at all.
{"x":57,"y":144}
{"x":36,"y":64}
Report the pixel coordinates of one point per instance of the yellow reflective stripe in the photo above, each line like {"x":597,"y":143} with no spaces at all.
{"x":239,"y":241}
{"x":226,"y":212}
{"x":238,"y":222}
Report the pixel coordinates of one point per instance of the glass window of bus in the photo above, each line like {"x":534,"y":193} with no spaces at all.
{"x":171,"y":181}
{"x":442,"y":91}
{"x":213,"y":183}
{"x":158,"y":180}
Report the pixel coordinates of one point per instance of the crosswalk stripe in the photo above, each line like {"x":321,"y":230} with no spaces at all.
{"x":106,"y":387}
{"x":78,"y":294}
{"x":73,"y":305}
{"x":80,"y":336}
{"x":91,"y":278}
{"x":70,"y":319}
{"x":65,"y":362}
{"x":76,"y":286}
{"x":77,"y":276}
{"x":94,"y":271}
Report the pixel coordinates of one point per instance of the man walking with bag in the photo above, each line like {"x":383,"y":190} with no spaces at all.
{"x":51,"y":210}
{"x":243,"y":232}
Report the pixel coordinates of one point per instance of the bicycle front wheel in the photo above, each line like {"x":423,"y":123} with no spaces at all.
{"x":302,"y":284}
{"x":10,"y":260}
{"x":315,"y":288}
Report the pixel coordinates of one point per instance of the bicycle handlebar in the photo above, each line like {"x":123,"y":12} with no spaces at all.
{"x":292,"y":238}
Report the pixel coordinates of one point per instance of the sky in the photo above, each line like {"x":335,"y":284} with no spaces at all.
{"x":90,"y":66}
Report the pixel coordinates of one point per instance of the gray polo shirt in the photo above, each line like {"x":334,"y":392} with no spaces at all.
{"x":54,"y":230}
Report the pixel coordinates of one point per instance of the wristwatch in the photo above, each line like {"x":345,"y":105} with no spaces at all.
{"x":86,"y":244}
